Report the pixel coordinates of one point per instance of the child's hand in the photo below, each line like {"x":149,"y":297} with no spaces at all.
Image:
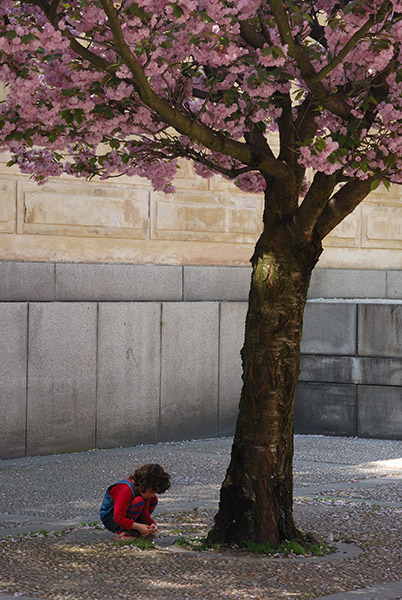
{"x":153,"y":528}
{"x":142,"y":528}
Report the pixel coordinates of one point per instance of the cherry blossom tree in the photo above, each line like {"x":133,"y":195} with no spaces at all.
{"x":110,"y":87}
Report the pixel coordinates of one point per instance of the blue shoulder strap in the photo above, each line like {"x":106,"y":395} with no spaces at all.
{"x":129,"y":483}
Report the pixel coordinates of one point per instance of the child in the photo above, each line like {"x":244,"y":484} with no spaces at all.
{"x":128,"y":504}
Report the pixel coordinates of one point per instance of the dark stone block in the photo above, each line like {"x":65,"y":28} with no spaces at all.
{"x":334,"y":369}
{"x":381,"y":371}
{"x":326,"y":409}
{"x":379,"y":412}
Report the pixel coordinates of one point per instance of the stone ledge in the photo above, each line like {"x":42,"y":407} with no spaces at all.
{"x":120,"y":282}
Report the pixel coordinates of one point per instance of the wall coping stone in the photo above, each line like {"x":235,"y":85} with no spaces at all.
{"x":121,"y":282}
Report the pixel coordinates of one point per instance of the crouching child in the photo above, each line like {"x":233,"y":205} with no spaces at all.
{"x":128,"y":504}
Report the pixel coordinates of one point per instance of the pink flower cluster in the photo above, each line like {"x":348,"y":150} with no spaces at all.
{"x":318,"y":154}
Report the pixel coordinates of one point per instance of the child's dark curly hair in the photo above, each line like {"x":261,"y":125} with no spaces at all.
{"x":151,"y":477}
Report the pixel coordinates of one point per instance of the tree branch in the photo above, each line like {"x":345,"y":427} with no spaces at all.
{"x":53,"y":8}
{"x":252,"y":37}
{"x":305,"y":124}
{"x":310,"y":210}
{"x":50,"y":13}
{"x":257,"y":139}
{"x":218,"y":142}
{"x":350,"y":45}
{"x":332,"y":102}
{"x":194,"y":130}
{"x":286,"y":130}
{"x":263,"y":25}
{"x":43,"y":4}
{"x":342,"y":204}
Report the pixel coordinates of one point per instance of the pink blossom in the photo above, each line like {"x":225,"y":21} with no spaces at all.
{"x":65,"y":113}
{"x":251,"y":182}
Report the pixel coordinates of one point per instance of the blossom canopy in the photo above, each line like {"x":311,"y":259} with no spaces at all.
{"x":107,"y":87}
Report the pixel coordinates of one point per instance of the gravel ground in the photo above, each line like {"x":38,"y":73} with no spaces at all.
{"x":85,"y":563}
{"x":388,"y":492}
{"x":69,"y":566}
{"x":346,"y":451}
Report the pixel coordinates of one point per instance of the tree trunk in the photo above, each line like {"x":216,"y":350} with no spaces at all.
{"x":257,"y":494}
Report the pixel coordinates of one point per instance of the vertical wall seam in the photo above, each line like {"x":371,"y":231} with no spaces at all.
{"x":149,"y":215}
{"x":26,"y":383}
{"x":356,"y":410}
{"x":159,"y":432}
{"x":357,"y":355}
{"x":219,"y":371}
{"x":55,"y":282}
{"x":96,"y":373}
{"x":182,"y":283}
{"x":357,"y":330}
{"x":386,"y":284}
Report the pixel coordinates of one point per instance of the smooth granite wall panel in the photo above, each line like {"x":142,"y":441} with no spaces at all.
{"x":128,"y":373}
{"x":329,"y":328}
{"x":347,"y":283}
{"x":325,"y":409}
{"x":232,"y":325}
{"x":380,"y":330}
{"x":34,"y":282}
{"x":189,"y":377}
{"x":119,"y":283}
{"x":13,"y":346}
{"x":61,"y":377}
{"x":217,"y":283}
{"x":379,"y":412}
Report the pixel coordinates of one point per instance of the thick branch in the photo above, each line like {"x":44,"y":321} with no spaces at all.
{"x":217,"y":142}
{"x":263,"y":25}
{"x":342,"y":204}
{"x":286,"y":130}
{"x":252,"y":37}
{"x":314,"y":203}
{"x":53,"y":8}
{"x":194,"y":130}
{"x":257,"y":139}
{"x":332,"y":102}
{"x":305,"y":124}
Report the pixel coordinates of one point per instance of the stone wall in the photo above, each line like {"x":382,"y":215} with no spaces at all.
{"x":206,"y":222}
{"x":109,"y":355}
{"x":351,"y":370}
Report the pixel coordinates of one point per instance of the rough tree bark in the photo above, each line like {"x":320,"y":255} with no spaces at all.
{"x":256,"y":495}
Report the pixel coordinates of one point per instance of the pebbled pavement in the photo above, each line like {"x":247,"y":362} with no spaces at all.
{"x":55,"y":492}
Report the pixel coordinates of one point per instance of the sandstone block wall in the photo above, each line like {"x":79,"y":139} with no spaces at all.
{"x":206,"y":222}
